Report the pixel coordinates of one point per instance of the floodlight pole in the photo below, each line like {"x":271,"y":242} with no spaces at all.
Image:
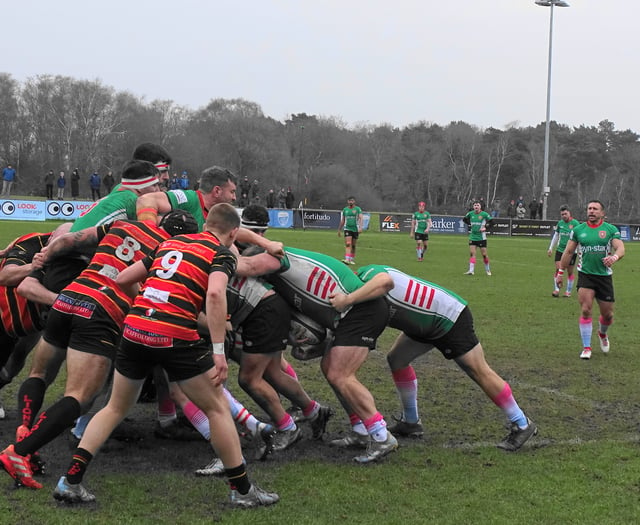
{"x":547,"y":130}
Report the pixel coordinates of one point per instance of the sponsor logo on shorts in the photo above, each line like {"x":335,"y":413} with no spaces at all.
{"x":146,"y":338}
{"x":69,"y":305}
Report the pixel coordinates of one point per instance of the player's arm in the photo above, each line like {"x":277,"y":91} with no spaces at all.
{"x":150,"y":205}
{"x":377,"y":286}
{"x":216,"y":310}
{"x":35,"y":291}
{"x":129,"y":278}
{"x":274,"y":248}
{"x":429,"y":224}
{"x":488,"y":222}
{"x":13,"y":274}
{"x":19,"y":261}
{"x":360,"y":222}
{"x":618,"y":253}
{"x":413,"y":227}
{"x":569,"y":250}
{"x":8,"y":248}
{"x":69,"y":242}
{"x":341,"y":225}
{"x":553,"y":243}
{"x":257,"y":265}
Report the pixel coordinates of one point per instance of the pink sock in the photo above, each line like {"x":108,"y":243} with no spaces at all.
{"x":198,"y":419}
{"x":290,"y":371}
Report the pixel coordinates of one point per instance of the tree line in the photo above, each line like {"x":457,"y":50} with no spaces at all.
{"x":61,"y":123}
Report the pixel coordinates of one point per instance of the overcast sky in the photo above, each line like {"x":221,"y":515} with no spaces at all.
{"x":396,"y":62}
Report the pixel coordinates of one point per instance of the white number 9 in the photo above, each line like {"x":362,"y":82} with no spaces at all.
{"x":170,"y":263}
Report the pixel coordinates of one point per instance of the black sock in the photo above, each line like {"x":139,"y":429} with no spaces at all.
{"x":30,"y":398}
{"x":50,"y":425}
{"x":238,"y":479}
{"x":79,"y":463}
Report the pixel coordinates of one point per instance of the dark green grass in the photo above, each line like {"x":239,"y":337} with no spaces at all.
{"x":583,"y":467}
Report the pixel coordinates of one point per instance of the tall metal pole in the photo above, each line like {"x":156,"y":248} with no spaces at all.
{"x":547,"y":130}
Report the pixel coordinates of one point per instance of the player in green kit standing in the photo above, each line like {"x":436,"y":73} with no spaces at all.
{"x":599,"y":247}
{"x":420,"y":226}
{"x":478,"y":220}
{"x":351,"y":224}
{"x":559,"y":240}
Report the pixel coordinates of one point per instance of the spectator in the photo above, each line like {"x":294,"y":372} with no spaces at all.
{"x":520,"y":201}
{"x":495,"y":208}
{"x":540,"y":208}
{"x":245,"y":191}
{"x":289,"y":198}
{"x":533,"y":208}
{"x":175,"y":183}
{"x":282,"y":196}
{"x":94,"y":182}
{"x":48,"y":184}
{"x":271,"y":199}
{"x":521,"y":211}
{"x":108,"y":182}
{"x":511,"y":209}
{"x":184,"y":181}
{"x":61,"y":183}
{"x":255,"y":188}
{"x":75,"y":184}
{"x":8,"y":178}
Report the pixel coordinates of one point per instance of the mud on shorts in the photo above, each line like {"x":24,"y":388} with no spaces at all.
{"x":181,"y":359}
{"x":77,"y":321}
{"x":362,"y":325}
{"x":266,"y":329}
{"x":456,"y":342}
{"x":602,"y":285}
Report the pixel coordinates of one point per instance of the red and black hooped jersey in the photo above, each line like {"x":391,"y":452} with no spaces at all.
{"x":123,"y":243}
{"x":176,"y":286}
{"x":20,"y":317}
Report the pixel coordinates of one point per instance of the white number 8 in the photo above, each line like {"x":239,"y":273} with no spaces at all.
{"x":127,"y":250}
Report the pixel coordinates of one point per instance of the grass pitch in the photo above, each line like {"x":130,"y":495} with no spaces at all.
{"x":582,"y":468}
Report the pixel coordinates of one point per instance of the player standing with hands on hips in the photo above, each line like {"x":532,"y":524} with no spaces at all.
{"x":420,"y":227}
{"x":478,"y":220}
{"x":351,"y":222}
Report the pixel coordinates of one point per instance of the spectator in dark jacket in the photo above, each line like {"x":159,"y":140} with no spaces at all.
{"x":94,"y":182}
{"x":75,"y":184}
{"x":289,"y":198}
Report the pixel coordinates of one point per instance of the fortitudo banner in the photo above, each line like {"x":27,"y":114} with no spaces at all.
{"x":322,"y":219}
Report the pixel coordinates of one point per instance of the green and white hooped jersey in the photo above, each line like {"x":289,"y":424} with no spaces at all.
{"x":306,"y":279}
{"x":564,"y":229}
{"x":351,"y":216}
{"x":594,"y":244}
{"x":417,"y":306}
{"x":477,"y":221}
{"x":421,"y":220}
